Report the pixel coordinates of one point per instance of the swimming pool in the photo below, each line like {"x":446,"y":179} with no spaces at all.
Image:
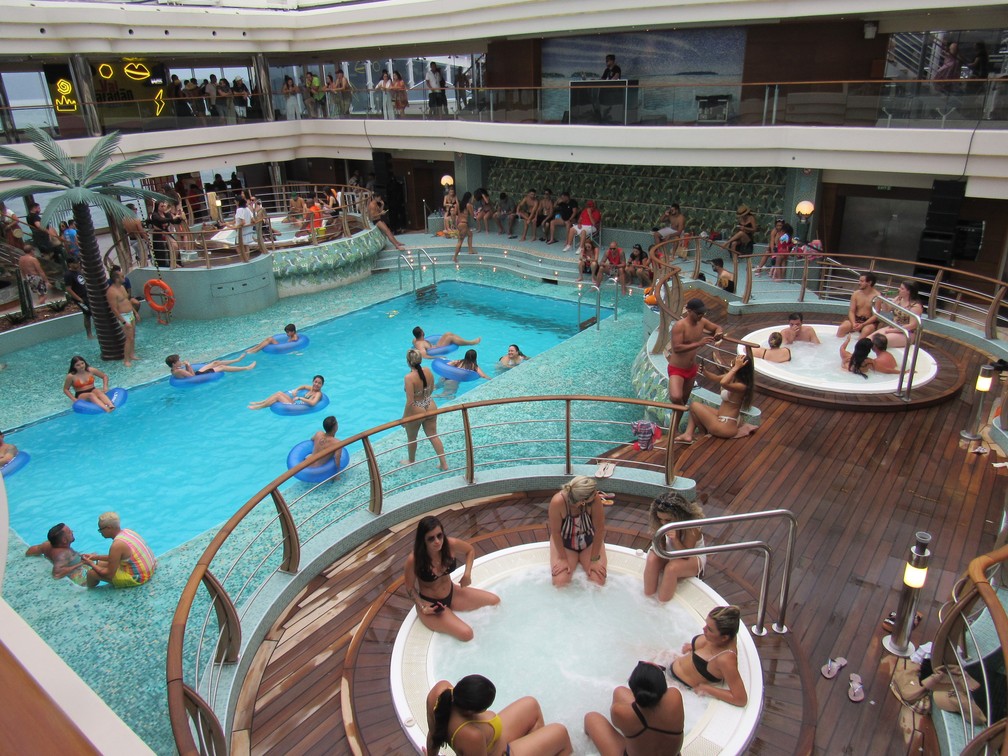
{"x":175,"y":462}
{"x":569,"y":648}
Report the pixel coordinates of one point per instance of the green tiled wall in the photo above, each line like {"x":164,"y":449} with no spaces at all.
{"x":633,"y":196}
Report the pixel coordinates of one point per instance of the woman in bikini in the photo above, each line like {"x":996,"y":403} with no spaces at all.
{"x":312,"y":395}
{"x":428,"y":582}
{"x":736,"y":394}
{"x":81,"y":378}
{"x":577,"y":531}
{"x":776,"y":353}
{"x":711,"y":659}
{"x":661,"y":576}
{"x":462,"y":223}
{"x":449,"y":387}
{"x":908,"y":297}
{"x":419,"y":385}
{"x":858,"y":361}
{"x":649,"y":709}
{"x":459,"y":717}
{"x":450,"y":206}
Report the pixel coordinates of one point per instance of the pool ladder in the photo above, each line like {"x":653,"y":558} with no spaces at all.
{"x":407,"y":258}
{"x":596,"y":319}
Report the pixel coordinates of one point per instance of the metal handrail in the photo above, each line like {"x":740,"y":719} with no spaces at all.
{"x":405,"y":258}
{"x":431,"y":262}
{"x":658,"y":543}
{"x":915,"y":318}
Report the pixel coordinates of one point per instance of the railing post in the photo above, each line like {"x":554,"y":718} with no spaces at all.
{"x":229,"y":641}
{"x":202,"y":717}
{"x":990,"y":323}
{"x":747,"y":293}
{"x":374,"y":476}
{"x":470,"y":463}
{"x":291,"y":542}
{"x":671,"y":454}
{"x":567,"y":437}
{"x":804,"y":278}
{"x":932,"y":305}
{"x":697,"y":259}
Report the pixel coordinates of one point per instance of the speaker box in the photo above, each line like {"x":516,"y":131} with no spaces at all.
{"x":935,"y":247}
{"x":944,"y":205}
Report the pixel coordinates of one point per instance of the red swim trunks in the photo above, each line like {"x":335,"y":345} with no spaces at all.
{"x":684,"y":373}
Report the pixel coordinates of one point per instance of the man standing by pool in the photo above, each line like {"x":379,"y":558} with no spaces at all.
{"x":421,"y":344}
{"x":860,"y":317}
{"x":690,"y":332}
{"x":122,"y":308}
{"x":129,"y":563}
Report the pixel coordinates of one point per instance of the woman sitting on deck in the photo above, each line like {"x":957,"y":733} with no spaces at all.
{"x":737,"y":386}
{"x":428,"y":582}
{"x":711,"y":659}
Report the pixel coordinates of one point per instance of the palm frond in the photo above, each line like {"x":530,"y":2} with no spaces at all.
{"x":24,"y":190}
{"x":114,"y":173}
{"x":117,"y":176}
{"x":43,"y":171}
{"x":29,"y":174}
{"x":134,"y":192}
{"x":51,"y":151}
{"x":99,"y":155}
{"x":114,"y":209}
{"x":56,"y":208}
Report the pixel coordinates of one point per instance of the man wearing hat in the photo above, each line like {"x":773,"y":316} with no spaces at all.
{"x":690,"y":332}
{"x":745,"y":227}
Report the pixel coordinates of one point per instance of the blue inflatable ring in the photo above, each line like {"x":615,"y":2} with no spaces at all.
{"x":20,"y":460}
{"x":452,"y":373}
{"x":117,"y":395}
{"x":300,"y":408}
{"x":283,"y":346}
{"x":318,"y":474}
{"x":196,"y":379}
{"x":437,"y":351}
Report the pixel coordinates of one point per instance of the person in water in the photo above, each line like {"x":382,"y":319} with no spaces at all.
{"x":419,"y":385}
{"x":183,"y":368}
{"x":513,"y":358}
{"x":66,"y":561}
{"x":129,"y":563}
{"x":81,"y":378}
{"x":325,"y":440}
{"x":459,"y":716}
{"x":290,"y":334}
{"x":450,"y":385}
{"x":421,"y":343}
{"x":312,"y":395}
{"x":647,"y":717}
{"x":428,"y":582}
{"x":577,"y":531}
{"x":709,"y":662}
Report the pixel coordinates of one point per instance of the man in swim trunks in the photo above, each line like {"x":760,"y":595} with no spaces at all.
{"x":671,"y":223}
{"x":33,"y":274}
{"x":183,"y":369}
{"x":325,"y":440}
{"x":129,"y":563}
{"x":690,"y":332}
{"x":860,"y":317}
{"x":66,"y":561}
{"x":797,"y":331}
{"x":421,"y":344}
{"x":292,"y":335}
{"x":528,"y":209}
{"x":122,"y":309}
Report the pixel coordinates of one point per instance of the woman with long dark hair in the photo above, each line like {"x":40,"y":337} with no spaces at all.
{"x":462,"y":223}
{"x":81,"y":378}
{"x":858,"y":361}
{"x":428,"y":582}
{"x":459,"y":716}
{"x":908,"y":298}
{"x":737,"y":384}
{"x":419,"y":385}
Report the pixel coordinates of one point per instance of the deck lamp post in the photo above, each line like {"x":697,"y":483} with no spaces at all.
{"x":804,"y":210}
{"x":983,"y":386}
{"x":914,"y":575}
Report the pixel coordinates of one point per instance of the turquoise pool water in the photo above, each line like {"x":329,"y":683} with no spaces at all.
{"x":175,"y":462}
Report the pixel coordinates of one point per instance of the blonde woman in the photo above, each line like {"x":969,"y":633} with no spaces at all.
{"x":419,"y":385}
{"x":661,"y":575}
{"x":576,"y":520}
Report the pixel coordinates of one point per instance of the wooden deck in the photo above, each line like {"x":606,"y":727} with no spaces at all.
{"x":860,"y":484}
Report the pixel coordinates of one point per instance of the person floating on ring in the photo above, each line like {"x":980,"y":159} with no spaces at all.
{"x":312,"y":395}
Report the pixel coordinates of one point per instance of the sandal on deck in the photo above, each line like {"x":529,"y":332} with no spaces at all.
{"x":856,"y":692}
{"x":605,"y":470}
{"x":829,"y":669}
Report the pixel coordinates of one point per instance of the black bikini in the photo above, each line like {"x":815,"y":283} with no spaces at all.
{"x":700,"y":664}
{"x":647,"y":727}
{"x":430,"y":577}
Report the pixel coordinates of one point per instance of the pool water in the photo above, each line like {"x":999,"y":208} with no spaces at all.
{"x":176,"y":462}
{"x":529,"y":645}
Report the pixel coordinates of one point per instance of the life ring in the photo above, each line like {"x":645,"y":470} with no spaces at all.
{"x":164,"y":290}
{"x":300,"y":408}
{"x":117,"y":395}
{"x":319,"y":474}
{"x":20,"y":460}
{"x":437,"y":351}
{"x":195,"y":380}
{"x":283,"y":346}
{"x":452,"y":373}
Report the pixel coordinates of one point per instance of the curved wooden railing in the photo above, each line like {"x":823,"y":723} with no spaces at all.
{"x":573,"y":434}
{"x":957,"y":644}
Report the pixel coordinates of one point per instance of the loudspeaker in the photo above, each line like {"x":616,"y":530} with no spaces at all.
{"x":968,"y":240}
{"x":944,"y":206}
{"x":382,"y":162}
{"x":935,"y":247}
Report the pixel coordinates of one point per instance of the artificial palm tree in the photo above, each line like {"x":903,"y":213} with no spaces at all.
{"x":91,"y":181}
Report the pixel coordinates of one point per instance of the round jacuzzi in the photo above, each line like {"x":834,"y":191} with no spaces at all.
{"x":571,"y":647}
{"x":817,"y":366}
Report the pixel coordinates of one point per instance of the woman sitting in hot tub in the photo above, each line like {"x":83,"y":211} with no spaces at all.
{"x":428,"y":582}
{"x":576,"y":521}
{"x":710,"y":660}
{"x":858,"y":361}
{"x":776,"y":353}
{"x":737,"y":385}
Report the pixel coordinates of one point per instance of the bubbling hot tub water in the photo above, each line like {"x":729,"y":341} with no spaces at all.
{"x":817,"y":366}
{"x":570,"y":647}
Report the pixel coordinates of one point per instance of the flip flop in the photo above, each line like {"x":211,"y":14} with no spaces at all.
{"x":608,"y":469}
{"x":829,"y":669}
{"x":856,"y":692}
{"x":600,"y":470}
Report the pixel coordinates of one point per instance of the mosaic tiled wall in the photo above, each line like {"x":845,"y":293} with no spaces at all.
{"x":311,"y":268}
{"x":633,"y":196}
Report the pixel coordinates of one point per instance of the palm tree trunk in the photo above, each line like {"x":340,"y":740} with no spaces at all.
{"x":107,"y":327}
